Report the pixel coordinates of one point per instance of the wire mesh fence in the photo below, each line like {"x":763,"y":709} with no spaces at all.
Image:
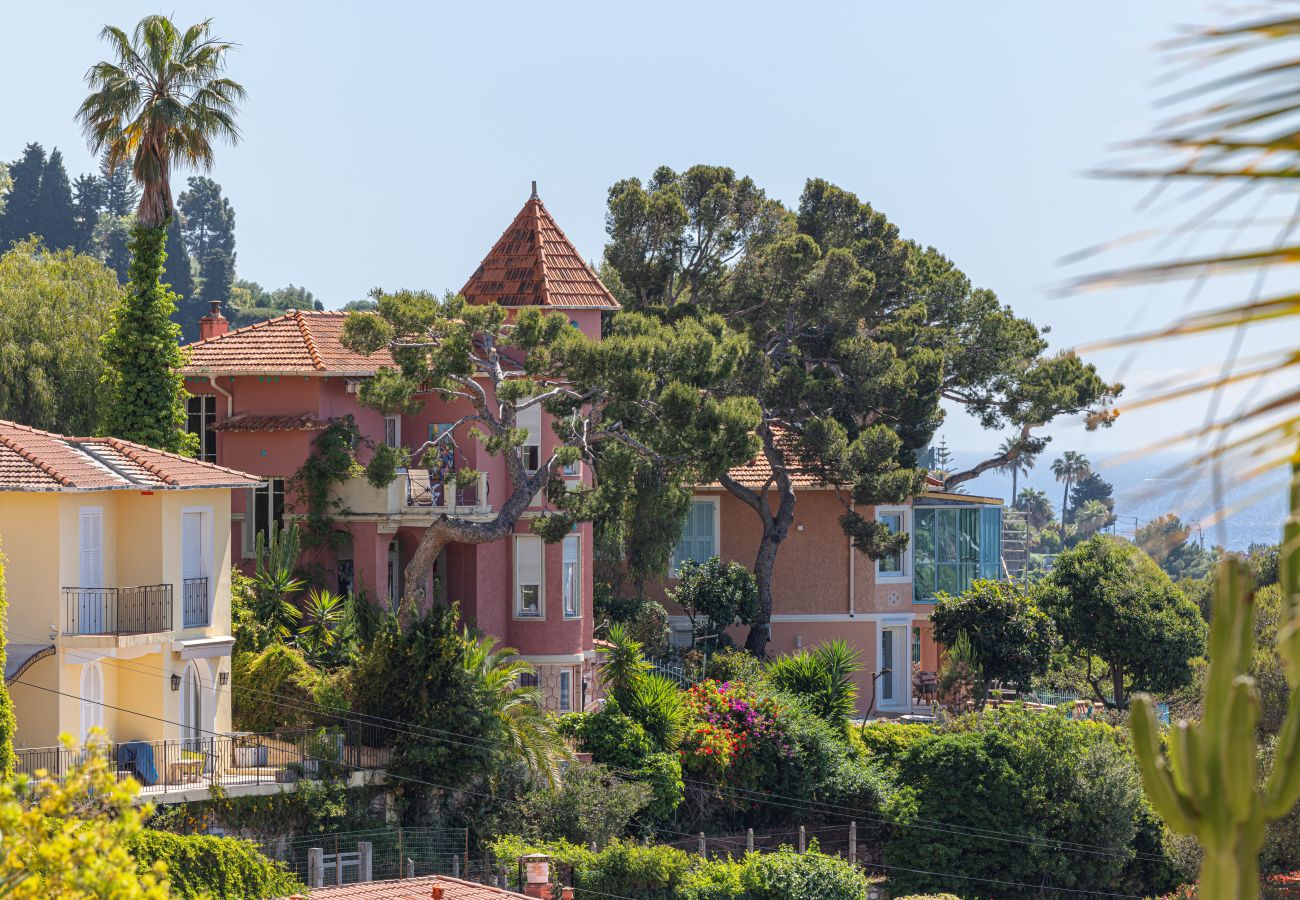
{"x":372,"y":855}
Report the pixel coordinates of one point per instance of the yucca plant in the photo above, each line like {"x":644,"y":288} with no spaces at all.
{"x":319,"y":623}
{"x":622,"y":662}
{"x":823,"y":678}
{"x":1206,"y":784}
{"x":275,"y":563}
{"x":656,"y":703}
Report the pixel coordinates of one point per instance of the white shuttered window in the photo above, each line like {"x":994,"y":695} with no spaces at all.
{"x":91,"y":601}
{"x":531,"y":419}
{"x":528,"y":577}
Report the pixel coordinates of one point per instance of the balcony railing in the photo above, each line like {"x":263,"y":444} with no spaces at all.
{"x":280,"y":757}
{"x":426,"y":490}
{"x":142,"y":609}
{"x":194,"y":603}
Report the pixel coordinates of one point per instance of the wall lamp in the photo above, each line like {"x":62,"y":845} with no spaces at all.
{"x":176,"y":682}
{"x":223,"y":678}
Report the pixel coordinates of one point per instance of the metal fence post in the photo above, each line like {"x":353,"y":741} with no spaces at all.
{"x":749,"y":841}
{"x":315,"y":867}
{"x":702,"y":845}
{"x":410,"y":868}
{"x":853,"y":842}
{"x":455,"y":865}
{"x":338,"y":862}
{"x":803,"y":839}
{"x":400,"y":855}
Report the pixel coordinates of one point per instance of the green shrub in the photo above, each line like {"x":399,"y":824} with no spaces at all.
{"x":1039,"y":775}
{"x":204,"y":866}
{"x":272,"y":689}
{"x":886,"y":740}
{"x":610,"y":736}
{"x":822,"y":678}
{"x":663,"y":772}
{"x":809,"y":876}
{"x":735,"y":665}
{"x":589,"y":804}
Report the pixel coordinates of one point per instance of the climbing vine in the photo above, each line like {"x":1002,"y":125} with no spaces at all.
{"x":332,"y":461}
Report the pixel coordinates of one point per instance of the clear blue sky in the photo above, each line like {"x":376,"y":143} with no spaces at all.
{"x":390,"y":143}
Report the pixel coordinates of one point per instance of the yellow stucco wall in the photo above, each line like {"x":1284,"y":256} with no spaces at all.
{"x":40,"y":536}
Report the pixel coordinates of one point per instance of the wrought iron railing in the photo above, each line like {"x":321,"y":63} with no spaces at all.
{"x":280,"y":757}
{"x":194,"y":603}
{"x":141,"y":609}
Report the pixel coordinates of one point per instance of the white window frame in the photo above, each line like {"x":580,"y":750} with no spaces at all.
{"x":530,"y":418}
{"x":393,"y":431}
{"x":207,"y":552}
{"x":572,"y":470}
{"x":92,"y":710}
{"x":540,"y":615}
{"x":674,"y":563}
{"x":564,"y":691}
{"x":904,"y":514}
{"x":571,"y":581}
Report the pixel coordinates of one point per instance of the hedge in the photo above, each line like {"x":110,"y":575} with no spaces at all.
{"x":199,"y":865}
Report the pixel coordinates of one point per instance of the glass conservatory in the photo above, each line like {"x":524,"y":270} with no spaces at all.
{"x":952,"y":546}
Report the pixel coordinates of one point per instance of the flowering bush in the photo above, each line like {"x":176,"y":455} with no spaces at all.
{"x":730,"y":727}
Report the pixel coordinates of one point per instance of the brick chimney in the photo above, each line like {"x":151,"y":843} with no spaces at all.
{"x":214,"y":323}
{"x":537,"y":880}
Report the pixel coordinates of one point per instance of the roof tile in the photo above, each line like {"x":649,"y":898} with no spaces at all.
{"x":298,"y":341}
{"x":413,"y":889}
{"x":247,"y":422}
{"x":35,"y":460}
{"x":535,"y":264}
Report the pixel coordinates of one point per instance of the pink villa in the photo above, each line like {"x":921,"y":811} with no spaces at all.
{"x":825,"y":589}
{"x":261,"y":394}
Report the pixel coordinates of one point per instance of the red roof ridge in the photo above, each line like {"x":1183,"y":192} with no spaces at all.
{"x":307,"y":338}
{"x":29,"y":457}
{"x":538,"y":209}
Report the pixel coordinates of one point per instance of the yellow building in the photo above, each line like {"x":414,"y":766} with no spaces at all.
{"x":118,"y":577}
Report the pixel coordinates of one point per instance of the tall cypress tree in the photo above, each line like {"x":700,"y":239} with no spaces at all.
{"x":87,"y":200}
{"x":208,"y":221}
{"x":121,"y":194}
{"x":20,"y":218}
{"x":54,"y":215}
{"x":179,"y":275}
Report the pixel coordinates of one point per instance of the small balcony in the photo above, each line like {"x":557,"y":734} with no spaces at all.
{"x":415,"y":496}
{"x":194,"y":603}
{"x":425,"y":490}
{"x":142,"y":609}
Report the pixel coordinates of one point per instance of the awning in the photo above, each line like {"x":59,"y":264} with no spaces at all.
{"x":20,"y":657}
{"x":204,"y":648}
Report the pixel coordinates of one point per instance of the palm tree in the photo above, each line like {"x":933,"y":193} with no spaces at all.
{"x":1036,"y":507}
{"x":624,"y":665}
{"x":1069,"y":467}
{"x":1019,"y":461}
{"x":1091,"y":518}
{"x":527,"y":734}
{"x":161,"y":101}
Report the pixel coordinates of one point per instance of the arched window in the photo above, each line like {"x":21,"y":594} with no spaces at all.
{"x":92,"y":699}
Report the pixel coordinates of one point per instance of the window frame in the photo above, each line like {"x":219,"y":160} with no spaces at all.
{"x":530,"y":452}
{"x":249,"y":529}
{"x":571,"y":585}
{"x":207,"y":417}
{"x":564,"y":691}
{"x":518,"y":586}
{"x":674,"y":563}
{"x":396,"y":427}
{"x":904,"y":573}
{"x":94,"y":707}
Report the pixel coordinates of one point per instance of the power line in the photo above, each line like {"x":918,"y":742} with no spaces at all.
{"x":796,"y":804}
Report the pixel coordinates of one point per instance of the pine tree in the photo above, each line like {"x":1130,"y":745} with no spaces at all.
{"x":179,"y":276}
{"x":121,"y":194}
{"x":87,"y":200}
{"x":54,"y":215}
{"x":21,"y":202}
{"x":208,"y":221}
{"x":112,"y":241}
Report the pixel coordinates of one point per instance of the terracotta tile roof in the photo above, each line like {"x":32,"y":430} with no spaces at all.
{"x":35,"y":460}
{"x":534,"y":264}
{"x":298,"y":341}
{"x":756,"y":472}
{"x":246,"y":422}
{"x":413,"y":889}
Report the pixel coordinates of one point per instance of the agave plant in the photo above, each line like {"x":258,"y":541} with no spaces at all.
{"x":623,"y":663}
{"x":823,"y":677}
{"x":528,"y":735}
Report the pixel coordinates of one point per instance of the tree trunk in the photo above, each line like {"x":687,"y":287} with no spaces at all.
{"x":1065,"y":503}
{"x":1117,"y":686}
{"x":761,"y":631}
{"x":1014,"y":473}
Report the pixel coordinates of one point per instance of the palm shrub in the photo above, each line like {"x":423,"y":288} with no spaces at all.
{"x":527,"y":734}
{"x":161,"y":101}
{"x":622,"y":663}
{"x":822,"y":678}
{"x":320,"y":622}
{"x":275,"y":562}
{"x":655,"y":702}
